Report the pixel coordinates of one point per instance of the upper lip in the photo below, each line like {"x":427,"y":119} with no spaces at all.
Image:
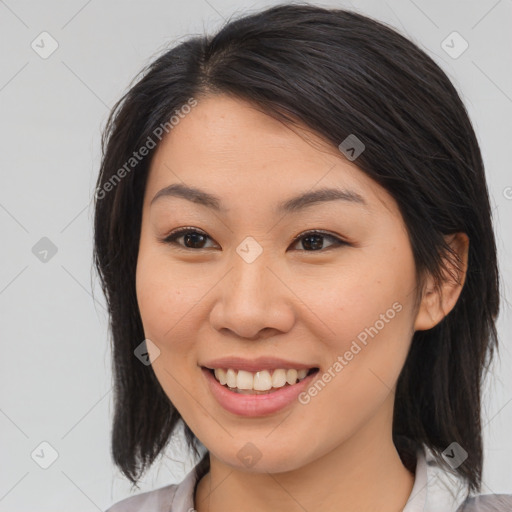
{"x":254,"y":365}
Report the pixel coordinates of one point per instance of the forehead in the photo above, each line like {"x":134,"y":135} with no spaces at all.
{"x":228,"y":128}
{"x":227,"y":144}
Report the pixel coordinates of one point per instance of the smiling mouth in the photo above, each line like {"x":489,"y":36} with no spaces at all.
{"x":261,"y":382}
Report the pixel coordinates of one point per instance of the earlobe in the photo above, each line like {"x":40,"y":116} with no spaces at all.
{"x":437,"y":302}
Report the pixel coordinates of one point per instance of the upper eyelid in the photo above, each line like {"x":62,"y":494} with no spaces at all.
{"x":316,"y":232}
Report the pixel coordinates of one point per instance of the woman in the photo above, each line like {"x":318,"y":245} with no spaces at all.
{"x":294,"y":237}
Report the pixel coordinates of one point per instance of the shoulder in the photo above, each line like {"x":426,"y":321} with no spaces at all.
{"x":171,"y":498}
{"x":440,"y":488}
{"x":488,"y":503}
{"x":157,"y":500}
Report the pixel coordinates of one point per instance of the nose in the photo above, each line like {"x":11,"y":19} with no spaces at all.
{"x":253,"y":301}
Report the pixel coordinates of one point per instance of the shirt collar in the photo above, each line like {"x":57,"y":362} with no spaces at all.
{"x":435,"y":489}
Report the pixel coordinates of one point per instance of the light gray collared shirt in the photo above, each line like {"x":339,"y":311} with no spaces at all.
{"x":434,"y":490}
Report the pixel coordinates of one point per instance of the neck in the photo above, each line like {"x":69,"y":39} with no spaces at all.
{"x":365,"y":473}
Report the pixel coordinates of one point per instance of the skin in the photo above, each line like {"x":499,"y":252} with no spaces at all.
{"x":291,"y":302}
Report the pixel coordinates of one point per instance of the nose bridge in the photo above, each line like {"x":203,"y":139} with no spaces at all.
{"x":252,"y":298}
{"x":250,"y":275}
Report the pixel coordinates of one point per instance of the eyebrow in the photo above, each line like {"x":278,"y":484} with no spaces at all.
{"x":297,"y":203}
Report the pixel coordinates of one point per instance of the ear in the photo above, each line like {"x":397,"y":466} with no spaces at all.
{"x":437,"y":303}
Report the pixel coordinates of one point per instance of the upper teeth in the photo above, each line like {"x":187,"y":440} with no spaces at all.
{"x":258,"y":381}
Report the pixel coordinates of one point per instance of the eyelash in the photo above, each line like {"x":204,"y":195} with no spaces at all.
{"x":178,"y":233}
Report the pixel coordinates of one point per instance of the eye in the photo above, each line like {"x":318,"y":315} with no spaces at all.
{"x":192,"y":238}
{"x":195,"y":239}
{"x":314,"y":240}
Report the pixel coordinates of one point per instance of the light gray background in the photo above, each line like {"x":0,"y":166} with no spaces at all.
{"x":55,"y":369}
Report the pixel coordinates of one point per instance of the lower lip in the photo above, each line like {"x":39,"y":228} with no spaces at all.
{"x":255,"y":405}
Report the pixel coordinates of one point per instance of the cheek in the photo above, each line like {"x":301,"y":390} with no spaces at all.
{"x":166,"y":306}
{"x":368,"y":296}
{"x":369,"y":314}
{"x":166,"y":297}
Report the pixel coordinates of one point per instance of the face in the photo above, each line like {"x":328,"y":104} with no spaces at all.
{"x":266,"y":285}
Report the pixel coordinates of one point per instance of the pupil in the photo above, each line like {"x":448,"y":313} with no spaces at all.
{"x":192,"y":237}
{"x":312,"y":245}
